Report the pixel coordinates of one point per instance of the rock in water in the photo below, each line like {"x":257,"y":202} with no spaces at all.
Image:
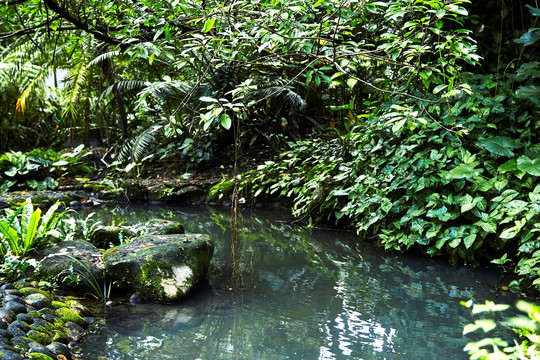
{"x":161,"y":267}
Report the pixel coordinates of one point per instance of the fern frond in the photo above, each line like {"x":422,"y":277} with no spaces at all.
{"x":103,"y":57}
{"x":21,"y":101}
{"x":137,"y":148}
{"x":123,"y":86}
{"x":75,"y":81}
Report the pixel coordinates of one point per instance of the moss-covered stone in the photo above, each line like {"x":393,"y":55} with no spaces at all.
{"x":31,"y":290}
{"x":58,"y":304}
{"x":39,"y":337}
{"x":38,"y":356}
{"x":77,"y":307}
{"x":68,"y":315}
{"x":163,"y":267}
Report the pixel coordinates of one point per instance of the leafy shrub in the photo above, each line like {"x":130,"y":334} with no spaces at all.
{"x":36,"y":169}
{"x":25,"y":230}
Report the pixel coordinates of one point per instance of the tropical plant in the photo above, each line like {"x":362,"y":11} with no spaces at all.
{"x":527,"y":328}
{"x":25,"y":230}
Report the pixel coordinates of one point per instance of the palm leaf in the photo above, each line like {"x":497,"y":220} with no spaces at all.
{"x":75,"y":81}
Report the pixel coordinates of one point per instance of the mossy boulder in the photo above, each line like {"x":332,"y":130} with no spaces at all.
{"x":75,"y":257}
{"x":103,"y":236}
{"x":161,"y":267}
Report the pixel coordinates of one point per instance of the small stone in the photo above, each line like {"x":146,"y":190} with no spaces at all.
{"x":15,"y":329}
{"x":10,"y":355}
{"x":7,"y":286}
{"x":60,"y":349}
{"x":38,"y":301}
{"x":25,"y":317}
{"x":75,"y":331}
{"x":13,"y":292}
{"x":6,"y":334}
{"x":16,"y":307}
{"x":38,"y":348}
{"x":40,"y":322}
{"x":15,"y":298}
{"x":135,"y":299}
{"x":19,"y":341}
{"x":7,"y":316}
{"x":50,"y":318}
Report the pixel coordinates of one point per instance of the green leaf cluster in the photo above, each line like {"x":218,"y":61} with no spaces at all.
{"x":25,"y":229}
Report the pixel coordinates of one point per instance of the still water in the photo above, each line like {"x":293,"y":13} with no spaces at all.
{"x":308,"y":294}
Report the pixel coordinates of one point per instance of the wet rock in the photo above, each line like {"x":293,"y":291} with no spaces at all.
{"x":13,"y":292}
{"x":38,"y":301}
{"x":5,"y":333}
{"x":20,"y":342}
{"x":35,"y":347}
{"x":59,"y":349}
{"x":75,"y":331}
{"x":15,"y":331}
{"x":81,"y":256}
{"x":16,"y":307}
{"x":15,"y":298}
{"x":10,"y":355}
{"x":161,"y":267}
{"x":7,"y":316}
{"x":25,"y":318}
{"x":7,"y":286}
{"x":135,"y":299}
{"x":104,"y":236}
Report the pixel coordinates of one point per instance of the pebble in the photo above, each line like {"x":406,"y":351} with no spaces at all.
{"x":17,"y":325}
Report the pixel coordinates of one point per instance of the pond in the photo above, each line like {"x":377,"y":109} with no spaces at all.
{"x":308,"y":294}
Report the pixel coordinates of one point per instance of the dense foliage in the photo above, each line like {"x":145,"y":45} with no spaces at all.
{"x":412,"y":122}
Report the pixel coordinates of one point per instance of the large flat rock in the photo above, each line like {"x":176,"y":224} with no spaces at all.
{"x":161,"y":267}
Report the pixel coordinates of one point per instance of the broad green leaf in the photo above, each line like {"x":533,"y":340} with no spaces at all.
{"x":225,"y":120}
{"x":454,"y":243}
{"x":208,"y":25}
{"x":465,"y":171}
{"x":468,"y":241}
{"x":10,"y":234}
{"x":499,"y":145}
{"x":26,"y":215}
{"x":29,"y":239}
{"x":439,"y":88}
{"x":489,"y":227}
{"x":530,"y":166}
{"x":60,"y":163}
{"x":208,"y":99}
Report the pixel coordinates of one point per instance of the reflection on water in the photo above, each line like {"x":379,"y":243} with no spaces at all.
{"x":309,"y":294}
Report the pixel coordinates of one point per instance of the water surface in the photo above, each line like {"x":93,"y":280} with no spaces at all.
{"x":309,"y":294}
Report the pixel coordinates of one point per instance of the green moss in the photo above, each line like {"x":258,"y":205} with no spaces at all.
{"x":61,"y":336}
{"x":58,"y":305}
{"x":43,"y":329}
{"x":39,"y":337}
{"x":148,"y":279}
{"x":96,"y":187}
{"x":30,"y":290}
{"x":219,"y":190}
{"x":68,"y":315}
{"x":35,"y":314}
{"x":38,"y":356}
{"x":77,"y":307}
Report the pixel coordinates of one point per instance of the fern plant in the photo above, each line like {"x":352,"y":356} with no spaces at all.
{"x":25,"y":230}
